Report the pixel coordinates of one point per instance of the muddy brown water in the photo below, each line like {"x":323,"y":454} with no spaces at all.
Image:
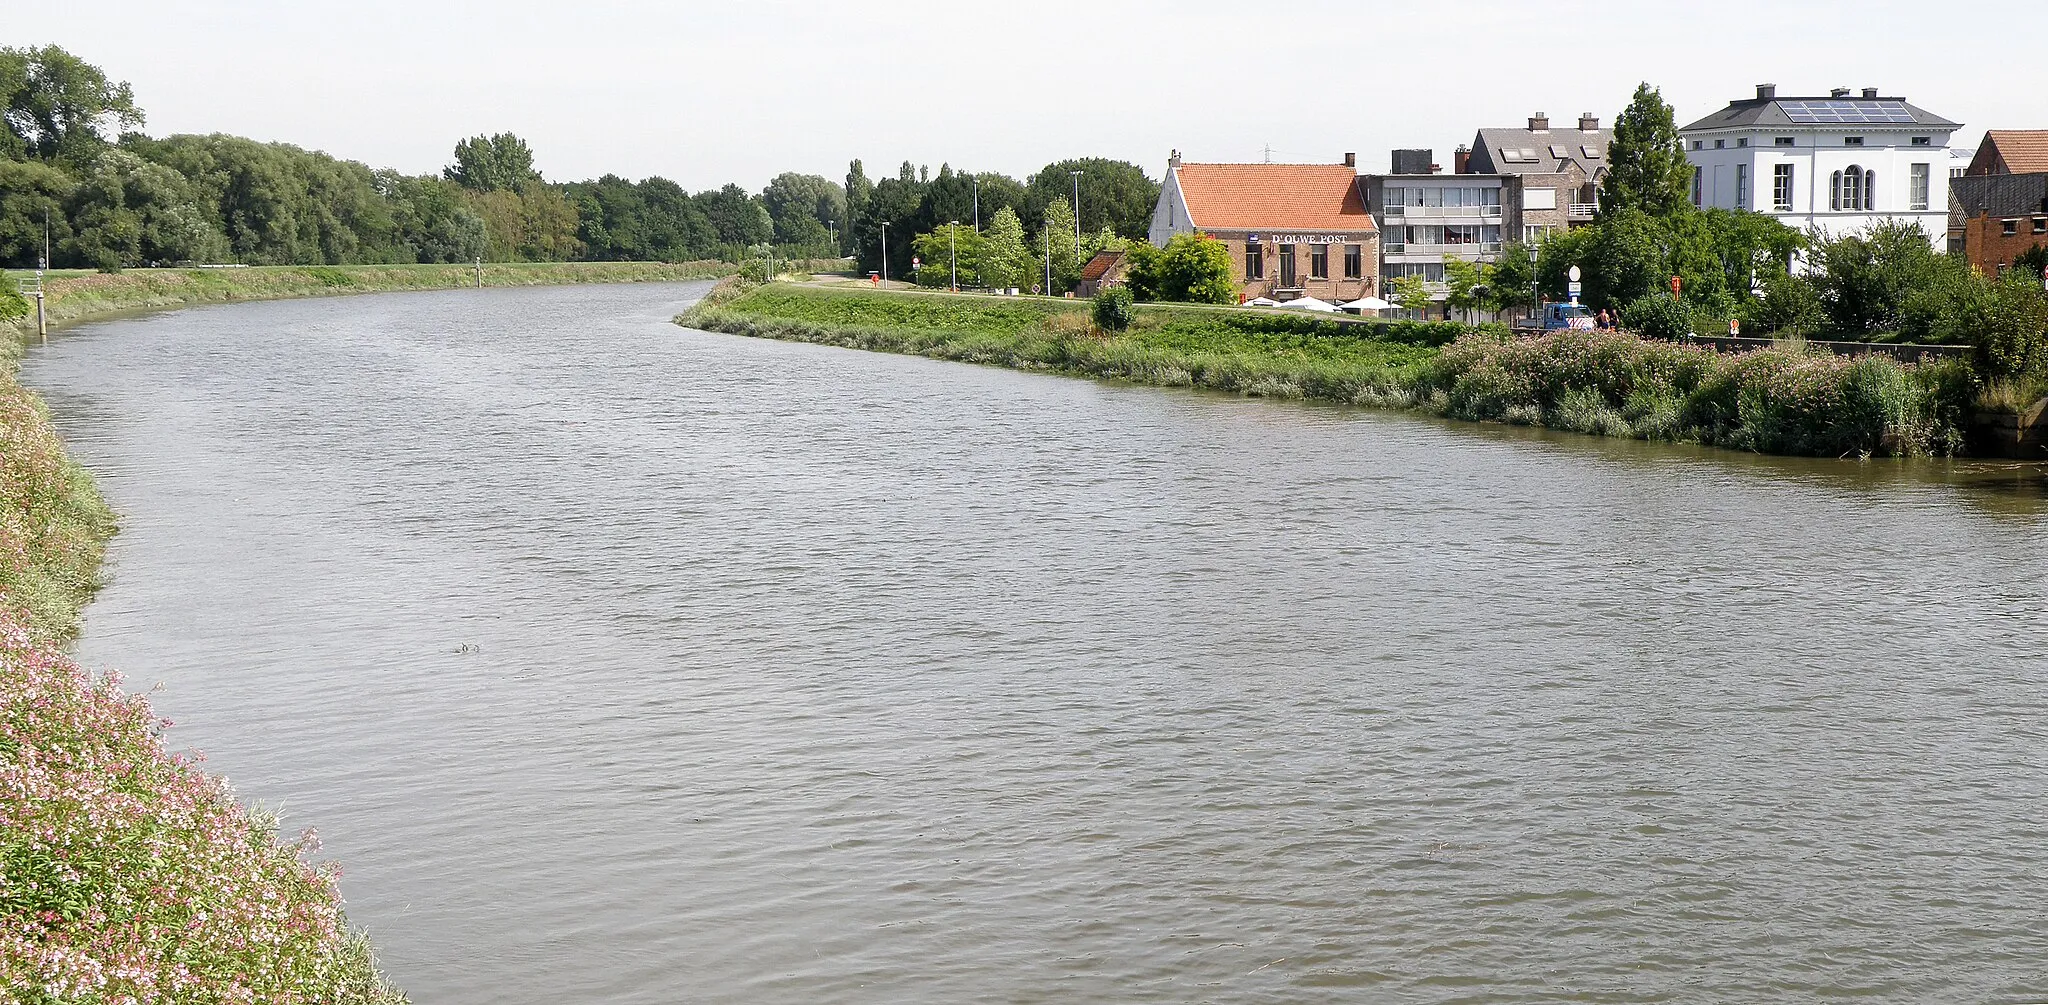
{"x":619,"y":662}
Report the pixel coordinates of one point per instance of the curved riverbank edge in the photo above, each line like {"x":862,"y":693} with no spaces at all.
{"x":71,"y":299}
{"x":1774,"y":401}
{"x":127,"y":872}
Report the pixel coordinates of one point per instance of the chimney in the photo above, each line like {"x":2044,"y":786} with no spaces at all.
{"x":1870,"y":92}
{"x":1539,"y":123}
{"x":1461,"y":161}
{"x":1838,"y":92}
{"x":1413,"y":161}
{"x":1588,"y":122}
{"x":1766,"y":92}
{"x":1173,"y":161}
{"x":1350,"y":159}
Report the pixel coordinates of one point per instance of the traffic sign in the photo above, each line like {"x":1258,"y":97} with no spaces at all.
{"x":1674,"y":286}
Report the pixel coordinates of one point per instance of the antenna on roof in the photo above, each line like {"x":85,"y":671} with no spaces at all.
{"x":1269,"y":153}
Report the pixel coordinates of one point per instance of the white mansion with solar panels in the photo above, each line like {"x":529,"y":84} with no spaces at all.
{"x":1840,"y":163}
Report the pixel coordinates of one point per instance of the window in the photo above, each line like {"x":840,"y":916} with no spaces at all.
{"x":1781,"y":188}
{"x":1319,"y":261}
{"x":1852,"y":141}
{"x":1697,"y":181}
{"x":1394,"y":196}
{"x":1354,"y":262}
{"x":1461,"y":233}
{"x":1742,"y":141}
{"x":1921,"y":175}
{"x":2009,"y":228}
{"x":1850,"y":189}
{"x":2040,"y":225}
{"x":1719,"y":144}
{"x":1741,"y":186}
{"x":1287,"y":266}
{"x":1696,"y":144}
{"x":1922,"y":141}
{"x":1784,"y":141}
{"x":1254,"y":260}
{"x":1535,"y":233}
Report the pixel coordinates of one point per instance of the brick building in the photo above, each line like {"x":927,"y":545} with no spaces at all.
{"x":1293,"y":230}
{"x":1558,"y":172}
{"x":2003,"y":216}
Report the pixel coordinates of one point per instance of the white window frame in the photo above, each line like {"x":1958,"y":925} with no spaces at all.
{"x":1781,"y":187}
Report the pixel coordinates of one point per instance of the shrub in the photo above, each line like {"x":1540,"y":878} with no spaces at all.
{"x":2013,"y":338}
{"x":1659,"y":316}
{"x":1113,"y":309}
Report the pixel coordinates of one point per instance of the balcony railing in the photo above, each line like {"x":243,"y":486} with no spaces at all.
{"x":1443,"y":212}
{"x":1481,"y":248}
{"x":1584,"y":209}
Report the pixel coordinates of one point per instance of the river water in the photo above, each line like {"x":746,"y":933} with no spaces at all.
{"x":619,"y":662}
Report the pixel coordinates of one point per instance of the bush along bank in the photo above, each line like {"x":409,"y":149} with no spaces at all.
{"x":1606,"y":383}
{"x":126,"y":873}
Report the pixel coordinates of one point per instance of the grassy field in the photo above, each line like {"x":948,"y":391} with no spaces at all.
{"x":1604,"y":383}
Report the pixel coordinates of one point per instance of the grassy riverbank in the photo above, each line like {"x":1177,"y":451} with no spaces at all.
{"x":74,"y":297}
{"x":1770,"y":401}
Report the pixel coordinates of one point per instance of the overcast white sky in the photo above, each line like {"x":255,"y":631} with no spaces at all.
{"x":706,"y":93}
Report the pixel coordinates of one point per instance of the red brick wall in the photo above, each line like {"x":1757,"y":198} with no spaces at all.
{"x":1335,"y":289}
{"x":1987,"y":247}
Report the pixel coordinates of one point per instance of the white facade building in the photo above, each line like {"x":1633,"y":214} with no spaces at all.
{"x":1839,"y":163}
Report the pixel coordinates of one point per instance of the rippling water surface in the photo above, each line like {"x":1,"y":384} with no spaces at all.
{"x":624,"y":663}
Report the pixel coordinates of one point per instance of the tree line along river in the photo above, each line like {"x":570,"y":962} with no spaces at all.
{"x":621,"y":662}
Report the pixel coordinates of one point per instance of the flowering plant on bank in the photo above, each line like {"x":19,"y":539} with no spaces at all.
{"x":128,"y":875}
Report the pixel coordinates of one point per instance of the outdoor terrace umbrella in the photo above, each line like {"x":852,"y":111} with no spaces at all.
{"x":1368,"y":304}
{"x":1310,"y":304}
{"x":1262,"y":302}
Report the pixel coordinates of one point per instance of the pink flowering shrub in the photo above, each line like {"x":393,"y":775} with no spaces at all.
{"x":52,"y":523}
{"x":128,"y":875}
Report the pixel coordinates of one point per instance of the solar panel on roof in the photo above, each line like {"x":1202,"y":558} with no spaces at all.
{"x":1835,"y":111}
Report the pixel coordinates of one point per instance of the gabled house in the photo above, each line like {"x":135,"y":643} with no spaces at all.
{"x":1292,"y":230}
{"x":1104,"y":270}
{"x":1560,"y":171}
{"x":2010,"y":151}
{"x":1840,"y":163}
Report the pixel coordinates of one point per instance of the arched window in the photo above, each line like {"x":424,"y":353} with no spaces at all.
{"x":1835,"y":191}
{"x":1869,"y":190}
{"x":1852,"y":188}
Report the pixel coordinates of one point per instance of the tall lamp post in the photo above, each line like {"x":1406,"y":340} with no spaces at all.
{"x":1077,"y":212}
{"x":885,"y":254}
{"x":953,"y":251}
{"x":977,"y":204}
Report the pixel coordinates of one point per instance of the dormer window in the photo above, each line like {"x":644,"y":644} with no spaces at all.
{"x":1852,"y":141}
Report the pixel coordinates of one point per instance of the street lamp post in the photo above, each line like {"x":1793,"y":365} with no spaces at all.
{"x":1077,"y":212}
{"x":885,"y":254}
{"x":953,"y":251}
{"x":977,"y":204}
{"x":1046,"y":237}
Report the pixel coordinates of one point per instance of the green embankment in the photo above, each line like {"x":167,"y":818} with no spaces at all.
{"x":74,"y":296}
{"x":1770,"y":401}
{"x":126,"y":873}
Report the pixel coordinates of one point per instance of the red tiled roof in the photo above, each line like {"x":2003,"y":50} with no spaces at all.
{"x":1100,"y":265}
{"x":2024,"y":151}
{"x":1273,"y":197}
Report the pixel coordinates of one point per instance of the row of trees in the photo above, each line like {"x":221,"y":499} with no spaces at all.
{"x":1021,"y":222}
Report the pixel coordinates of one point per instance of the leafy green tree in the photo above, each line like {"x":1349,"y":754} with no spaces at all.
{"x":32,"y":192}
{"x":1002,"y":261}
{"x":1511,"y":280}
{"x":55,"y":106}
{"x":1646,"y":166}
{"x":492,"y":163}
{"x":1866,"y":279}
{"x":895,"y":201}
{"x":1192,"y":268}
{"x":803,"y":208}
{"x":2034,"y":259}
{"x":738,"y":218}
{"x":1555,"y":256}
{"x":1464,"y":286}
{"x":1058,"y":240}
{"x":1114,"y":194}
{"x":1626,"y":259}
{"x":858,"y":192}
{"x":997,"y":191}
{"x":1789,"y":305}
{"x":1658,"y":315}
{"x":434,"y":224}
{"x":128,"y":212}
{"x":1411,"y":292}
{"x":2014,"y":338}
{"x":940,"y":249}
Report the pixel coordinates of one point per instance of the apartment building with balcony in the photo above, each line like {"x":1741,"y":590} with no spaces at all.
{"x":1426,"y":217}
{"x":1558,"y":172}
